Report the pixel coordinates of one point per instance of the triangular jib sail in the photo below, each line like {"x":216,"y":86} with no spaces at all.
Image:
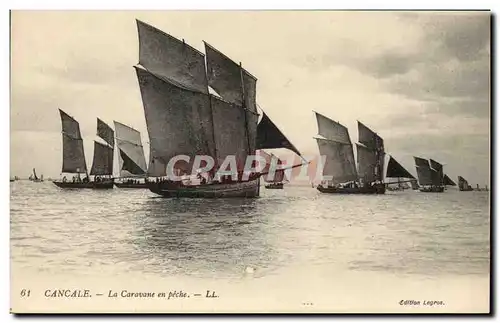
{"x":396,"y":170}
{"x":270,"y":137}
{"x":73,"y":153}
{"x":448,"y":181}
{"x":132,"y":161}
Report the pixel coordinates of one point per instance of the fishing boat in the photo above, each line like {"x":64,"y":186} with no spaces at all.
{"x":74,"y":156}
{"x":430,"y":175}
{"x":183,"y":117}
{"x":275,"y":181}
{"x":34,"y":178}
{"x":131,"y":159}
{"x":342,"y":176}
{"x":463,"y":185}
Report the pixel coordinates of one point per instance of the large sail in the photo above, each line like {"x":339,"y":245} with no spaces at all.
{"x":339,"y":163}
{"x":105,"y":132}
{"x":270,"y":137}
{"x":437,"y":180}
{"x":367,"y":162}
{"x":395,"y":169}
{"x":439,"y":170}
{"x":171,"y":58}
{"x":448,"y":181}
{"x":332,"y":130}
{"x":102,"y":163}
{"x":235,"y":85}
{"x":230,"y":132}
{"x":73,"y":153}
{"x":130,"y":151}
{"x":179,"y":121}
{"x":226,"y":76}
{"x":375,"y":144}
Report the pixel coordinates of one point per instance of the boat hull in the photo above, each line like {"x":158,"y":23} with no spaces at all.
{"x":80,"y":185}
{"x":434,"y":189}
{"x":247,"y":189}
{"x":375,"y":189}
{"x":132,"y":185}
{"x":278,"y":186}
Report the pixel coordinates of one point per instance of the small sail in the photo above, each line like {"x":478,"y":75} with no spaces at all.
{"x":270,"y":137}
{"x":332,"y":130}
{"x":367,"y":163}
{"x":439,"y":170}
{"x":395,"y":169}
{"x":374,"y":143}
{"x":102,"y":164}
{"x":179,"y":121}
{"x":226,"y":76}
{"x":424,"y":175}
{"x":171,"y":58}
{"x":462,"y":183}
{"x":131,"y":152}
{"x":421,"y":162}
{"x":34,"y":174}
{"x":105,"y":132}
{"x":339,"y":163}
{"x":447,"y":181}
{"x":230,"y":132}
{"x":279,"y":174}
{"x":73,"y":153}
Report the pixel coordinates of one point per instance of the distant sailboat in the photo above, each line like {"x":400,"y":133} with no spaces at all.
{"x":35,"y":178}
{"x":430,"y":175}
{"x":279,"y":174}
{"x":183,"y":118}
{"x":396,"y":170}
{"x":132,"y":161}
{"x":74,"y":156}
{"x":463,"y":185}
{"x":345,"y":178}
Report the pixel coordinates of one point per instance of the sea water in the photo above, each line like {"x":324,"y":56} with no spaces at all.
{"x":290,"y":250}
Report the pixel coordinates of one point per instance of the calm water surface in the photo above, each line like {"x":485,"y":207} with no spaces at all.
{"x":122,"y":231}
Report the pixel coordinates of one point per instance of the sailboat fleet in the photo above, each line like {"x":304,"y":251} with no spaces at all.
{"x":204,"y":145}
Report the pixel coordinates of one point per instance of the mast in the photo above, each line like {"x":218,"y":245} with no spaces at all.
{"x":243,"y":99}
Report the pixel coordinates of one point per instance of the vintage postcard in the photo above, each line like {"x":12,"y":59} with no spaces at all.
{"x":250,"y":161}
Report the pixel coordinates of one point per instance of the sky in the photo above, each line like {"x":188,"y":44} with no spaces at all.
{"x":421,"y":80}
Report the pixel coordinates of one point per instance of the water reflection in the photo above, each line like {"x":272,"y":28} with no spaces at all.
{"x":204,"y":237}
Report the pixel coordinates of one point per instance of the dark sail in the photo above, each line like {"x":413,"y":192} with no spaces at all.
{"x":178,"y":121}
{"x":367,"y":163}
{"x":171,"y":58}
{"x":395,"y":169}
{"x":375,"y":143}
{"x":129,"y":165}
{"x":105,"y":132}
{"x":424,"y":175}
{"x":129,"y":144}
{"x":73,"y":153}
{"x":269,"y":136}
{"x":439,"y":169}
{"x":448,"y":181}
{"x":102,"y":163}
{"x":436,"y":178}
{"x":420,"y":162}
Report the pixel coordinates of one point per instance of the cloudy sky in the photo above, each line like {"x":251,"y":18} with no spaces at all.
{"x":420,"y":79}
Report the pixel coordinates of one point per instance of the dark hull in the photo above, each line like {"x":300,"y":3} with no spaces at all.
{"x":439,"y":189}
{"x":92,"y":185}
{"x":131,"y":185}
{"x":242,"y":189}
{"x":465,"y":189}
{"x":375,"y":189}
{"x":278,"y":186}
